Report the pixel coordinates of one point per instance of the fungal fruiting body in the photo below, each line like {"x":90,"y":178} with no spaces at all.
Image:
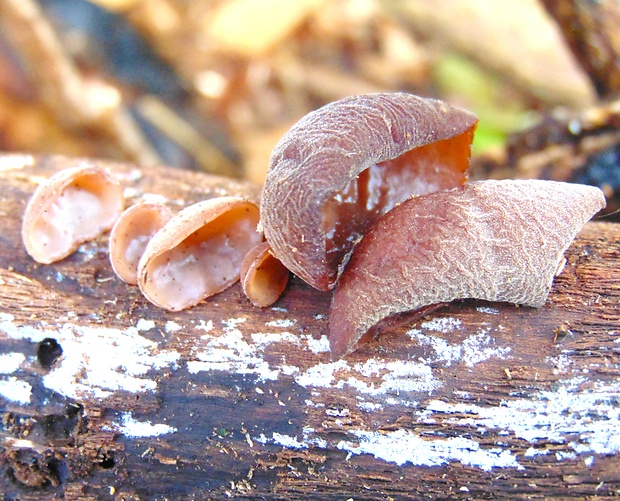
{"x":71,"y":207}
{"x":490,"y":240}
{"x":342,"y":167}
{"x":199,"y":252}
{"x":130,"y":235}
{"x":263,"y":276}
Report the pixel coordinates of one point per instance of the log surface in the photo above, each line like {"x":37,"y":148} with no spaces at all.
{"x":477,"y":400}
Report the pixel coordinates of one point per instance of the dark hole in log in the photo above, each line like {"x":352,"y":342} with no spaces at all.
{"x":48,"y":351}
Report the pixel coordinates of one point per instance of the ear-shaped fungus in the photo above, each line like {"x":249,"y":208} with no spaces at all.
{"x":69,"y":208}
{"x":130,"y":235}
{"x":263,"y":276}
{"x":198,"y":253}
{"x":343,"y":166}
{"x":491,"y":240}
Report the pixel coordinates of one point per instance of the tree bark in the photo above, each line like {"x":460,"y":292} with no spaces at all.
{"x":477,"y":400}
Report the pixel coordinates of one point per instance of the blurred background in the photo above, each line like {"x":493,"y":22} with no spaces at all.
{"x":212,"y":85}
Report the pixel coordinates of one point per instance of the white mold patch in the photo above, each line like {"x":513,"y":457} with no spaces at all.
{"x":441,"y":324}
{"x":145,"y":325}
{"x":289,"y":442}
{"x":373,"y":377}
{"x":15,"y":390}
{"x":171,"y":327}
{"x":281,"y":322}
{"x":317,"y":346}
{"x":133,"y":428}
{"x":230,"y":352}
{"x":10,"y":362}
{"x":96,"y":361}
{"x":472,"y":350}
{"x":488,"y":310}
{"x":403,"y":446}
{"x":228,"y":349}
{"x":588,"y":419}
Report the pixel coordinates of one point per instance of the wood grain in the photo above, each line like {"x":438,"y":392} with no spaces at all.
{"x":477,"y":400}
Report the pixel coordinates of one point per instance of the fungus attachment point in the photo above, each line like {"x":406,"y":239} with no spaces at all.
{"x":198,"y":253}
{"x":130,"y":235}
{"x":340,"y":168}
{"x":263,"y":276}
{"x":490,"y":240}
{"x":71,"y":207}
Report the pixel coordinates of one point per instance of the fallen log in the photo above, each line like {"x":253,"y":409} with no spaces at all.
{"x":104,"y":396}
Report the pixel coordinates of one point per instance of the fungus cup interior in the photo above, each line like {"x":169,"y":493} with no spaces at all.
{"x":130,"y":235}
{"x":181,"y":267}
{"x":68,"y":209}
{"x":376,"y":190}
{"x":263,"y":276}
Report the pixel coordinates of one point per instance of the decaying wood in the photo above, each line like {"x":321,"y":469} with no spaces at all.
{"x":225,"y":400}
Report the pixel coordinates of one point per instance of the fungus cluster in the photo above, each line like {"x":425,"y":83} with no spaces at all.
{"x":176,"y":260}
{"x":366,"y":196}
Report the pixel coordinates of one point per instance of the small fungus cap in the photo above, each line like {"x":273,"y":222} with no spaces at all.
{"x":71,"y":207}
{"x":263,"y":276}
{"x":129,"y":237}
{"x":199,"y":252}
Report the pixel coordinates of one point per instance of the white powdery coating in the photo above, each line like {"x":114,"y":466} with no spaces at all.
{"x":589,"y":419}
{"x":317,"y":346}
{"x":145,"y":325}
{"x":132,"y":428}
{"x":10,"y":362}
{"x":231,"y":351}
{"x":281,"y":322}
{"x":97,"y":361}
{"x":442,"y":324}
{"x":403,"y":446}
{"x":472,"y":350}
{"x":171,"y":327}
{"x":488,"y":310}
{"x":289,"y":442}
{"x":393,"y":377}
{"x":15,"y":390}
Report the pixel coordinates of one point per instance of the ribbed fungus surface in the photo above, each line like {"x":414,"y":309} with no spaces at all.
{"x":490,"y":240}
{"x":342,"y":167}
{"x":130,"y":235}
{"x":199,"y":252}
{"x":73,"y":206}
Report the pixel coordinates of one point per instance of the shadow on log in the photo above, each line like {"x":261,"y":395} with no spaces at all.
{"x":104,"y":396}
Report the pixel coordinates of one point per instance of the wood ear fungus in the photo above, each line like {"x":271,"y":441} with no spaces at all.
{"x":490,"y":240}
{"x":199,"y":252}
{"x":130,"y":235}
{"x":71,"y":207}
{"x":263,"y":276}
{"x":343,"y":166}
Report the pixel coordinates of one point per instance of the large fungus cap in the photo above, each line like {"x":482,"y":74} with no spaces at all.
{"x":343,"y":166}
{"x":130,"y":235}
{"x":490,"y":240}
{"x":199,"y":252}
{"x":71,"y":207}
